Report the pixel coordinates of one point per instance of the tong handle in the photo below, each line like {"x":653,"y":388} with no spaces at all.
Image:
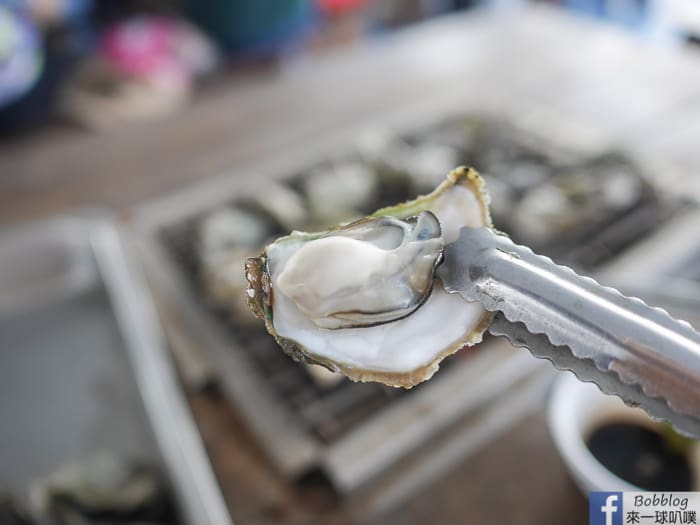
{"x":643,"y":346}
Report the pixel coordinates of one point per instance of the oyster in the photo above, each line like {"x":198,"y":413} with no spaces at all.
{"x":227,"y":237}
{"x":363,"y":299}
{"x":228,"y":228}
{"x":225,"y":285}
{"x":100,"y":489}
{"x":336,"y":193}
{"x":282,"y":203}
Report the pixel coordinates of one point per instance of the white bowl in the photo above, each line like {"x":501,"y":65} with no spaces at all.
{"x":577,"y":408}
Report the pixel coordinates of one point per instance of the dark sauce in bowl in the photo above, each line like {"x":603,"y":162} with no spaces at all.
{"x":641,"y":456}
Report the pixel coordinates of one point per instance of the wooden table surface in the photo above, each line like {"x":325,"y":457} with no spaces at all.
{"x":516,"y":479}
{"x":588,"y":85}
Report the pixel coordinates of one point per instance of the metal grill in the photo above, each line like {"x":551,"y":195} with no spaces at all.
{"x":515,"y":165}
{"x":327,"y":412}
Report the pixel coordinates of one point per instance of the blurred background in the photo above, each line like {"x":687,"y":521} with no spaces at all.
{"x":147,"y":147}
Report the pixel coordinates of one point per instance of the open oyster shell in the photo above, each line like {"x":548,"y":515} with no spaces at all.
{"x":335,"y":298}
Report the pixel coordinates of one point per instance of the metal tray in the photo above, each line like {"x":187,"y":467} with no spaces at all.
{"x":84,"y":368}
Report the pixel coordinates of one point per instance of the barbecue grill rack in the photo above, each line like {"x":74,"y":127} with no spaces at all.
{"x":306,"y":426}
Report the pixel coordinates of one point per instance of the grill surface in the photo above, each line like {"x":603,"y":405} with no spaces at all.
{"x":515,"y":167}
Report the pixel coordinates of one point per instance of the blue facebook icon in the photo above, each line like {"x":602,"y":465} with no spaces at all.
{"x":605,"y":508}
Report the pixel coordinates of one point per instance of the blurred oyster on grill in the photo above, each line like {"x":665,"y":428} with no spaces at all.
{"x":336,"y":193}
{"x":281,"y":203}
{"x":230,"y":227}
{"x":227,"y":237}
{"x":558,"y":206}
{"x":362,"y":298}
{"x":226,"y":285}
{"x":103,"y":489}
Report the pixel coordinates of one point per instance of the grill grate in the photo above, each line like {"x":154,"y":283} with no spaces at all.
{"x":514,"y":165}
{"x":327,"y":411}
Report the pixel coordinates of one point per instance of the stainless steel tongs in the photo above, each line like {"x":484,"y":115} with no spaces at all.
{"x":627,"y":348}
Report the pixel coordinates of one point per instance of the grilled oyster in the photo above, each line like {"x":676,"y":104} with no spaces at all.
{"x":362,"y":298}
{"x":227,"y":237}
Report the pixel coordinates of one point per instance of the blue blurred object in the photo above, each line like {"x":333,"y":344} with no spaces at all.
{"x":649,"y":18}
{"x":629,"y":13}
{"x":77,"y":9}
{"x":259,"y":28}
{"x":79,"y":32}
{"x":20,"y":54}
{"x":37,"y":104}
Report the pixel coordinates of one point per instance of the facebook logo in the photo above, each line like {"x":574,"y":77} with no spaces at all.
{"x":605,"y":508}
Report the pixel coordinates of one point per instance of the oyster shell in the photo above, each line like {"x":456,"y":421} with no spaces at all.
{"x":227,"y":237}
{"x":339,"y":299}
{"x":226,"y":286}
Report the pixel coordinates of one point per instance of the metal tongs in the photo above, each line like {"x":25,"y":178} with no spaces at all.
{"x":638,"y":353}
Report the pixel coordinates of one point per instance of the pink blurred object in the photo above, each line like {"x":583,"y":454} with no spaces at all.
{"x":144,"y":70}
{"x":163,"y":50}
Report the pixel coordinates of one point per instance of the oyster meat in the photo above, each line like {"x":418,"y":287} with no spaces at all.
{"x":375,"y":271}
{"x":363,"y":299}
